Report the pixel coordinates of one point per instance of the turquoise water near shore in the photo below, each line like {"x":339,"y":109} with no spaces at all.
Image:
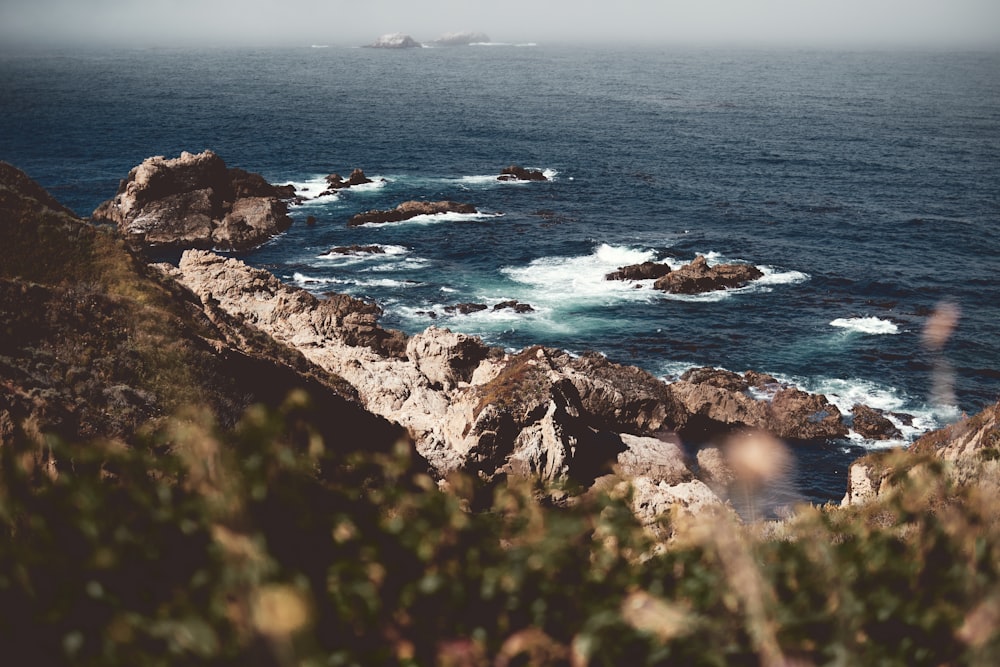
{"x":866,"y":186}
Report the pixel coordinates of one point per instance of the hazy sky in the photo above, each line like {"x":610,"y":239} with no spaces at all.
{"x":969,"y":23}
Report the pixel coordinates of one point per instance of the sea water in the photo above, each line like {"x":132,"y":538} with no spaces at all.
{"x":864,"y":185}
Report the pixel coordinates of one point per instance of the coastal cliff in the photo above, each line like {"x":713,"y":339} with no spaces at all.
{"x":199,"y":463}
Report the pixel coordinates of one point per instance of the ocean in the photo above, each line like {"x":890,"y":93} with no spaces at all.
{"x":865,"y":185}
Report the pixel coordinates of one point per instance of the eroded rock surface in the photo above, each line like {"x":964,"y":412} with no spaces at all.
{"x":195,"y":201}
{"x":408,"y":210}
{"x":698,"y":277}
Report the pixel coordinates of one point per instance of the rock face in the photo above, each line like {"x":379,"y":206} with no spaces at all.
{"x":195,"y":201}
{"x":461,"y":39}
{"x":410,"y":209}
{"x":395,"y":40}
{"x":698,"y":277}
{"x":516,"y":173}
{"x":644,"y":271}
{"x":871,"y":424}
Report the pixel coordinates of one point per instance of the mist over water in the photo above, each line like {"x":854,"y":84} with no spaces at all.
{"x":863,"y":184}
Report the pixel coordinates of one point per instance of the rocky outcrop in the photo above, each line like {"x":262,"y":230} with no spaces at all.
{"x":516,"y":306}
{"x":336,"y":181}
{"x":969,"y":450}
{"x":395,"y":40}
{"x":410,"y":209}
{"x":98,"y":345}
{"x":872,"y":424}
{"x":195,"y":201}
{"x":355,"y":250}
{"x":516,"y":173}
{"x":715,"y":400}
{"x":465,"y":308}
{"x":461,"y":39}
{"x":644,"y":271}
{"x":698,"y":277}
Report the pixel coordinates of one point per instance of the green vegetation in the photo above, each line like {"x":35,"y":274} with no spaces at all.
{"x":253,"y":546}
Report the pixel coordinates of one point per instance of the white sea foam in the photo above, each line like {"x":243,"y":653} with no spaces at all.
{"x":435,"y":218}
{"x":389,"y":252}
{"x":303,"y":280}
{"x":404,"y":264}
{"x":557,"y":280}
{"x":866,"y":325}
{"x":773,"y":276}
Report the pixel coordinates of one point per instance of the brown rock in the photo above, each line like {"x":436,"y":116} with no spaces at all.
{"x":195,"y":201}
{"x":798,"y":415}
{"x":516,"y":173}
{"x":644,"y":271}
{"x":698,"y":277}
{"x":357,"y":177}
{"x":717,"y":377}
{"x":356,"y":250}
{"x":871,"y":424}
{"x":465,"y":308}
{"x":516,"y":306}
{"x":409,"y":209}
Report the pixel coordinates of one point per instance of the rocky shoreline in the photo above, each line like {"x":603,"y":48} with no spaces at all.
{"x":538,"y":413}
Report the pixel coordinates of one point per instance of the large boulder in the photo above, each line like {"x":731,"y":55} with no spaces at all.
{"x":410,"y":209}
{"x":799,"y":415}
{"x":698,"y":277}
{"x":447,"y":359}
{"x":195,"y":201}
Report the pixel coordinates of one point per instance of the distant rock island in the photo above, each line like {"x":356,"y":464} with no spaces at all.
{"x":461,"y":39}
{"x":395,"y":40}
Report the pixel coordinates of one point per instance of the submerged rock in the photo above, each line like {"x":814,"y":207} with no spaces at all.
{"x":465,"y":308}
{"x":410,"y":209}
{"x":195,"y":201}
{"x":698,"y":277}
{"x":355,"y":250}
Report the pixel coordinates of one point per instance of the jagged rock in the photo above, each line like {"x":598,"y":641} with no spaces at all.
{"x":706,"y":408}
{"x":620,"y":398}
{"x":714,"y":470}
{"x":446,"y":358}
{"x":336,"y":182}
{"x":395,"y":40}
{"x":195,"y":201}
{"x":698,"y":277}
{"x":653,"y":458}
{"x":644,"y":271}
{"x":652,"y":501}
{"x":461,"y":39}
{"x":516,"y":173}
{"x":871,"y":424}
{"x":465,"y":308}
{"x":98,"y":346}
{"x":864,"y":483}
{"x":516,"y":306}
{"x":716,"y":377}
{"x":760,"y":380}
{"x":798,"y":415}
{"x":409,"y":209}
{"x":355,"y":250}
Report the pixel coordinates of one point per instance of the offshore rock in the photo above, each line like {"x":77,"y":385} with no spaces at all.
{"x":461,"y":39}
{"x":355,"y":250}
{"x":336,"y":181}
{"x":465,"y":308}
{"x":395,"y":40}
{"x":516,"y":306}
{"x":409,"y":209}
{"x":516,"y":173}
{"x":644,"y":271}
{"x":871,"y":424}
{"x":195,"y":201}
{"x":698,"y":277}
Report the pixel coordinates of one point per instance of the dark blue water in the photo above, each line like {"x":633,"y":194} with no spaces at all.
{"x":866,"y":185}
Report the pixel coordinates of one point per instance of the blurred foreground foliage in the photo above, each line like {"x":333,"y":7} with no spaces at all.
{"x":249,"y":547}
